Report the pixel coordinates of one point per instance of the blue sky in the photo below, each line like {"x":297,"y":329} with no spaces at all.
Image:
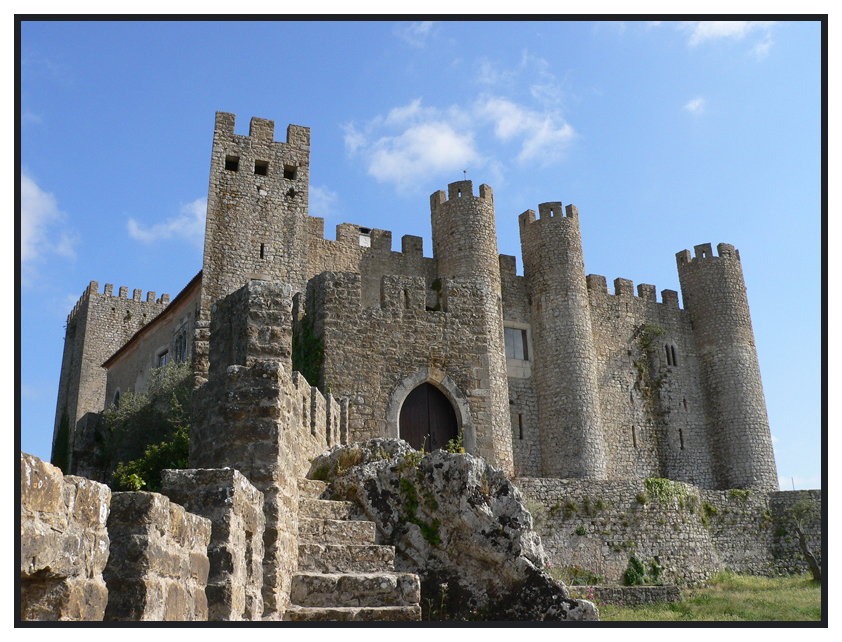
{"x":665,"y":136}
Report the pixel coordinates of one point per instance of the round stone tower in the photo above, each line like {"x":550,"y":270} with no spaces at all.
{"x":465,"y":247}
{"x":715,"y":296}
{"x":565,"y":358}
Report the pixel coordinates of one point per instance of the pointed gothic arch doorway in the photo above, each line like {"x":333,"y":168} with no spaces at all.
{"x":428,"y":419}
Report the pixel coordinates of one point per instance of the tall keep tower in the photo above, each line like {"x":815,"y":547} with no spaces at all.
{"x":465,"y":246}
{"x":715,"y":296}
{"x":257,"y":208}
{"x":565,"y":358}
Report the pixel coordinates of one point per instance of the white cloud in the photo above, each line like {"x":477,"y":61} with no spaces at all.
{"x":544,"y":135}
{"x":41,"y":224}
{"x":323,"y":202}
{"x":415,"y":33}
{"x":414,"y":142}
{"x":712,"y":30}
{"x":696,"y":106}
{"x":425,"y":148}
{"x":761,"y":49}
{"x":190,"y":225}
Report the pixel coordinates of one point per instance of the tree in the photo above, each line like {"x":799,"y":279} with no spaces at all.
{"x":801,"y":511}
{"x":150,"y":430}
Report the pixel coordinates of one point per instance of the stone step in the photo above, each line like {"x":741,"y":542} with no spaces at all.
{"x":324,"y":509}
{"x":355,"y":589}
{"x":353,"y":613}
{"x":345,"y":558}
{"x":311,"y":488}
{"x":334,"y":531}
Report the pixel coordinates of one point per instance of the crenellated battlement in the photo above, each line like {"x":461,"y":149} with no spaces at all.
{"x":598,"y":285}
{"x":261,"y":130}
{"x":460,"y":189}
{"x":704,"y":251}
{"x":548,"y":213}
{"x":123,"y":293}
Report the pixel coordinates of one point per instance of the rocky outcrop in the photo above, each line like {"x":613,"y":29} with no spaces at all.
{"x":63,"y":543}
{"x":459,"y":524}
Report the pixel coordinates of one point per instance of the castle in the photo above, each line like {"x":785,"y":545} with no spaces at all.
{"x":545,"y":375}
{"x":634,"y":426}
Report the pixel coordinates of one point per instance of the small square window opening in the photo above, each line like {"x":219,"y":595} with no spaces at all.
{"x":289,"y":172}
{"x":232,"y":163}
{"x":261,"y":168}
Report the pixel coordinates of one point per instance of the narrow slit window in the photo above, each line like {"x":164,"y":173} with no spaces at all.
{"x":674,"y":356}
{"x":261,"y":168}
{"x":634,"y":437}
{"x":232,"y":163}
{"x":685,"y":403}
{"x":262,"y":253}
{"x":681,"y":437}
{"x":406,"y":299}
{"x":669,"y":358}
{"x":520,"y":425}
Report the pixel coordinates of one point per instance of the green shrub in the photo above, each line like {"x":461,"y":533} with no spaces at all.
{"x":145,"y":473}
{"x":150,"y":430}
{"x":635,"y":574}
{"x":61,"y":447}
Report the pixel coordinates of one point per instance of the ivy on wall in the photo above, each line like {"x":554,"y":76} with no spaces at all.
{"x":308,"y":353}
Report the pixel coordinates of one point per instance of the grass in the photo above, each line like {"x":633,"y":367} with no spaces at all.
{"x":733,"y":598}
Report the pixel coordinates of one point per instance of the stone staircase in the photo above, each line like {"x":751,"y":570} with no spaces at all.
{"x":342,"y":573}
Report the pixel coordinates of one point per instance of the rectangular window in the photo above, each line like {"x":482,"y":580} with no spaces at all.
{"x":516,"y":344}
{"x":261,"y":167}
{"x":163,"y":358}
{"x":289,"y":172}
{"x":232,"y":163}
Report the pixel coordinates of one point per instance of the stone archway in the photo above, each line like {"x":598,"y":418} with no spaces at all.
{"x":447,"y":386}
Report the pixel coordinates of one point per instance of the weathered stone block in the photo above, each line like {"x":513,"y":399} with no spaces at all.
{"x":233,"y":568}
{"x":64,"y":544}
{"x":158,"y":566}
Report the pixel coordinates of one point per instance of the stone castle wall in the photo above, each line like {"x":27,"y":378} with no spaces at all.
{"x":598,"y":525}
{"x":235,"y":550}
{"x":158,"y":564}
{"x":376,"y":356}
{"x":258,"y":417}
{"x":666,"y":434}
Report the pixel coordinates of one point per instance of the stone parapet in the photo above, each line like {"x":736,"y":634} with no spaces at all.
{"x":63,"y":544}
{"x":158,"y":567}
{"x":628,"y":595}
{"x":235,"y":551}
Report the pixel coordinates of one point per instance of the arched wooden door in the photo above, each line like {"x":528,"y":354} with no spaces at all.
{"x":428,"y":419}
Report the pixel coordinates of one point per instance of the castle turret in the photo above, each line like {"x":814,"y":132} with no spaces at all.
{"x":465,"y":246}
{"x":565,"y":359}
{"x":257,"y":219}
{"x":715,"y":296}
